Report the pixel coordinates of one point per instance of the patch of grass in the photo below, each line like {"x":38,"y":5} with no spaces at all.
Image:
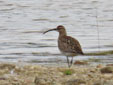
{"x":68,"y":72}
{"x":94,"y":60}
{"x":33,"y":61}
{"x":100,"y":53}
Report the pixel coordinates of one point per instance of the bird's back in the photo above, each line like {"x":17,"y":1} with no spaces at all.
{"x":69,"y":45}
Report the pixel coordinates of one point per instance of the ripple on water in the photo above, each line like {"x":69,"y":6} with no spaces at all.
{"x":23,"y":23}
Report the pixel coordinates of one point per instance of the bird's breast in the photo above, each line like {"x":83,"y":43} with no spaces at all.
{"x":64,"y":48}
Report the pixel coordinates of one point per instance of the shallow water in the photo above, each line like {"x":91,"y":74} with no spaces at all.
{"x":22,"y":23}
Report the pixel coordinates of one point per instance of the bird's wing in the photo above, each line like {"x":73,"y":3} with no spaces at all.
{"x":71,"y":45}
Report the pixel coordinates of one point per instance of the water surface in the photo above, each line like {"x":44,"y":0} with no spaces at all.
{"x":22,"y":23}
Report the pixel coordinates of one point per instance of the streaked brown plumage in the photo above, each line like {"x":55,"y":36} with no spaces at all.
{"x":68,"y":46}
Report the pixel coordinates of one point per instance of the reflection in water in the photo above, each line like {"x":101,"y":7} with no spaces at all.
{"x":22,"y":24}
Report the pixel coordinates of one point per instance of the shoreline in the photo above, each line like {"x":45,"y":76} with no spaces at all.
{"x":31,"y":74}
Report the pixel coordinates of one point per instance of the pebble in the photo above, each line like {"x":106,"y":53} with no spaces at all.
{"x":108,"y":69}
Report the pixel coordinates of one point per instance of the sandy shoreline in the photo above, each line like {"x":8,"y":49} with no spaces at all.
{"x":16,"y":74}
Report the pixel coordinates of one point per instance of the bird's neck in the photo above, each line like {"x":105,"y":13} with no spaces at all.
{"x":62,"y":33}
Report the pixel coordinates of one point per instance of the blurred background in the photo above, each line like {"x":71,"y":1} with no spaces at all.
{"x":22,"y":23}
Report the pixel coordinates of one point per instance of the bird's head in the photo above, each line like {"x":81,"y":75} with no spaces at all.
{"x":60,"y":29}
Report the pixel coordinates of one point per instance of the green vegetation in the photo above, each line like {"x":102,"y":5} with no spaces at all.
{"x":68,"y":72}
{"x":93,"y":60}
{"x":100,"y":53}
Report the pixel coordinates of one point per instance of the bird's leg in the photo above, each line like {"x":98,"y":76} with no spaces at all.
{"x":71,"y":62}
{"x":68,"y":61}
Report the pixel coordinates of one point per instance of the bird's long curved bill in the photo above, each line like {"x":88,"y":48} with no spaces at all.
{"x":50,"y":30}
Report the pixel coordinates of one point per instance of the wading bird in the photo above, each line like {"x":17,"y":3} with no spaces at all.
{"x":68,"y":46}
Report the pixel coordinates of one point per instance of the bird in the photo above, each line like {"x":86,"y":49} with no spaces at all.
{"x":67,"y":45}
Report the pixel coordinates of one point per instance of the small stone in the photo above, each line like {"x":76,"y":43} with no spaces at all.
{"x":107,"y":76}
{"x":109,"y":65}
{"x":75,"y":82}
{"x":39,"y":81}
{"x":99,"y":66}
{"x":2,"y":78}
{"x":98,"y":83}
{"x":107,"y":69}
{"x":43,"y":80}
{"x":81,"y":63}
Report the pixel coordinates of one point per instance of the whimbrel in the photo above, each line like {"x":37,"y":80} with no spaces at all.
{"x":68,"y":46}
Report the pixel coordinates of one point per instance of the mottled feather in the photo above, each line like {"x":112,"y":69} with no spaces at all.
{"x":68,"y":44}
